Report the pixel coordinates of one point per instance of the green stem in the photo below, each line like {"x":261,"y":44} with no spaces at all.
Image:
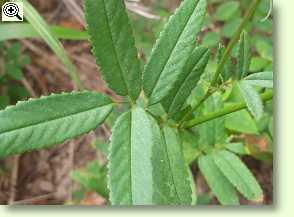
{"x":249,"y":14}
{"x":227,"y":110}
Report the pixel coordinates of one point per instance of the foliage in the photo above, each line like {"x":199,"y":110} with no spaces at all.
{"x":185,"y":108}
{"x":11,"y":73}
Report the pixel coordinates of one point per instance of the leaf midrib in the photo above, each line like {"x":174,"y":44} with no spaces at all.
{"x":53,"y":119}
{"x":131,"y":172}
{"x":244,"y":183}
{"x":113,"y":47}
{"x":217,"y":183}
{"x":183,"y":83}
{"x":172,"y":172}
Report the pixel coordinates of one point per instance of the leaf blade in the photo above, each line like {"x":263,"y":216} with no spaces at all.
{"x":111,"y":33}
{"x":212,"y":132}
{"x":172,"y":49}
{"x":130,"y":168}
{"x":221,"y":187}
{"x":179,"y":181}
{"x":31,"y":125}
{"x":186,"y":81}
{"x":26,"y":30}
{"x":238,"y":174}
{"x":243,"y":58}
{"x":252,"y":99}
{"x":260,"y":79}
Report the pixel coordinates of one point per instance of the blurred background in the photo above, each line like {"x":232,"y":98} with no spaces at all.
{"x":67,"y":174}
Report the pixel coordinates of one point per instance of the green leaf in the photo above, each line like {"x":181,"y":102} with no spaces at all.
{"x":241,"y":122}
{"x":219,"y":184}
{"x":14,"y":71}
{"x":264,"y":49}
{"x":228,"y":67}
{"x":186,"y":81}
{"x":17,"y":92}
{"x":231,"y":27}
{"x":271,"y":127}
{"x":130,"y":166}
{"x":114,"y":46}
{"x":258,"y":64}
{"x":204,"y":199}
{"x":227,"y":10}
{"x":4,"y":101}
{"x":239,"y":175}
{"x":40,"y":26}
{"x":237,"y":148}
{"x":211,"y":39}
{"x":101,"y":146}
{"x":93,"y":178}
{"x":189,"y":145}
{"x":41,"y":123}
{"x":26,"y":30}
{"x":176,"y":170}
{"x":243,"y":59}
{"x":172,"y":50}
{"x":252,"y":99}
{"x":212,"y":132}
{"x":146,"y":166}
{"x":260,"y":79}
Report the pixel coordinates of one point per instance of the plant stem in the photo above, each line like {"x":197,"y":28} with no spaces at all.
{"x":249,"y":14}
{"x":227,"y":110}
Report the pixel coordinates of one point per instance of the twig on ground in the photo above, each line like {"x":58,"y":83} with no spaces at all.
{"x":75,"y":9}
{"x":27,"y":85}
{"x":34,"y":199}
{"x":13,"y":182}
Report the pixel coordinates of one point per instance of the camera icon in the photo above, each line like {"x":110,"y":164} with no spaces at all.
{"x":12,"y":12}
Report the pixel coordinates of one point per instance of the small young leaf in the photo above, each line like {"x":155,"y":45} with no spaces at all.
{"x":93,"y":178}
{"x":41,"y":123}
{"x":172,"y":50}
{"x":239,"y":175}
{"x":252,"y":98}
{"x":241,"y":122}
{"x":258,"y":64}
{"x":264,"y":49}
{"x":114,"y":45}
{"x":231,"y":27}
{"x":14,"y":71}
{"x":189,"y":145}
{"x":4,"y":101}
{"x":261,"y":79}
{"x":237,"y":148}
{"x":243,"y":59}
{"x":219,"y":184}
{"x":226,"y":10}
{"x":228,"y":67}
{"x":187,"y":81}
{"x":211,"y":39}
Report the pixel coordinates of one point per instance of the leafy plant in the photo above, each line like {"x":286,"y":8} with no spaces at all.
{"x":178,"y":118}
{"x":12,"y":63}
